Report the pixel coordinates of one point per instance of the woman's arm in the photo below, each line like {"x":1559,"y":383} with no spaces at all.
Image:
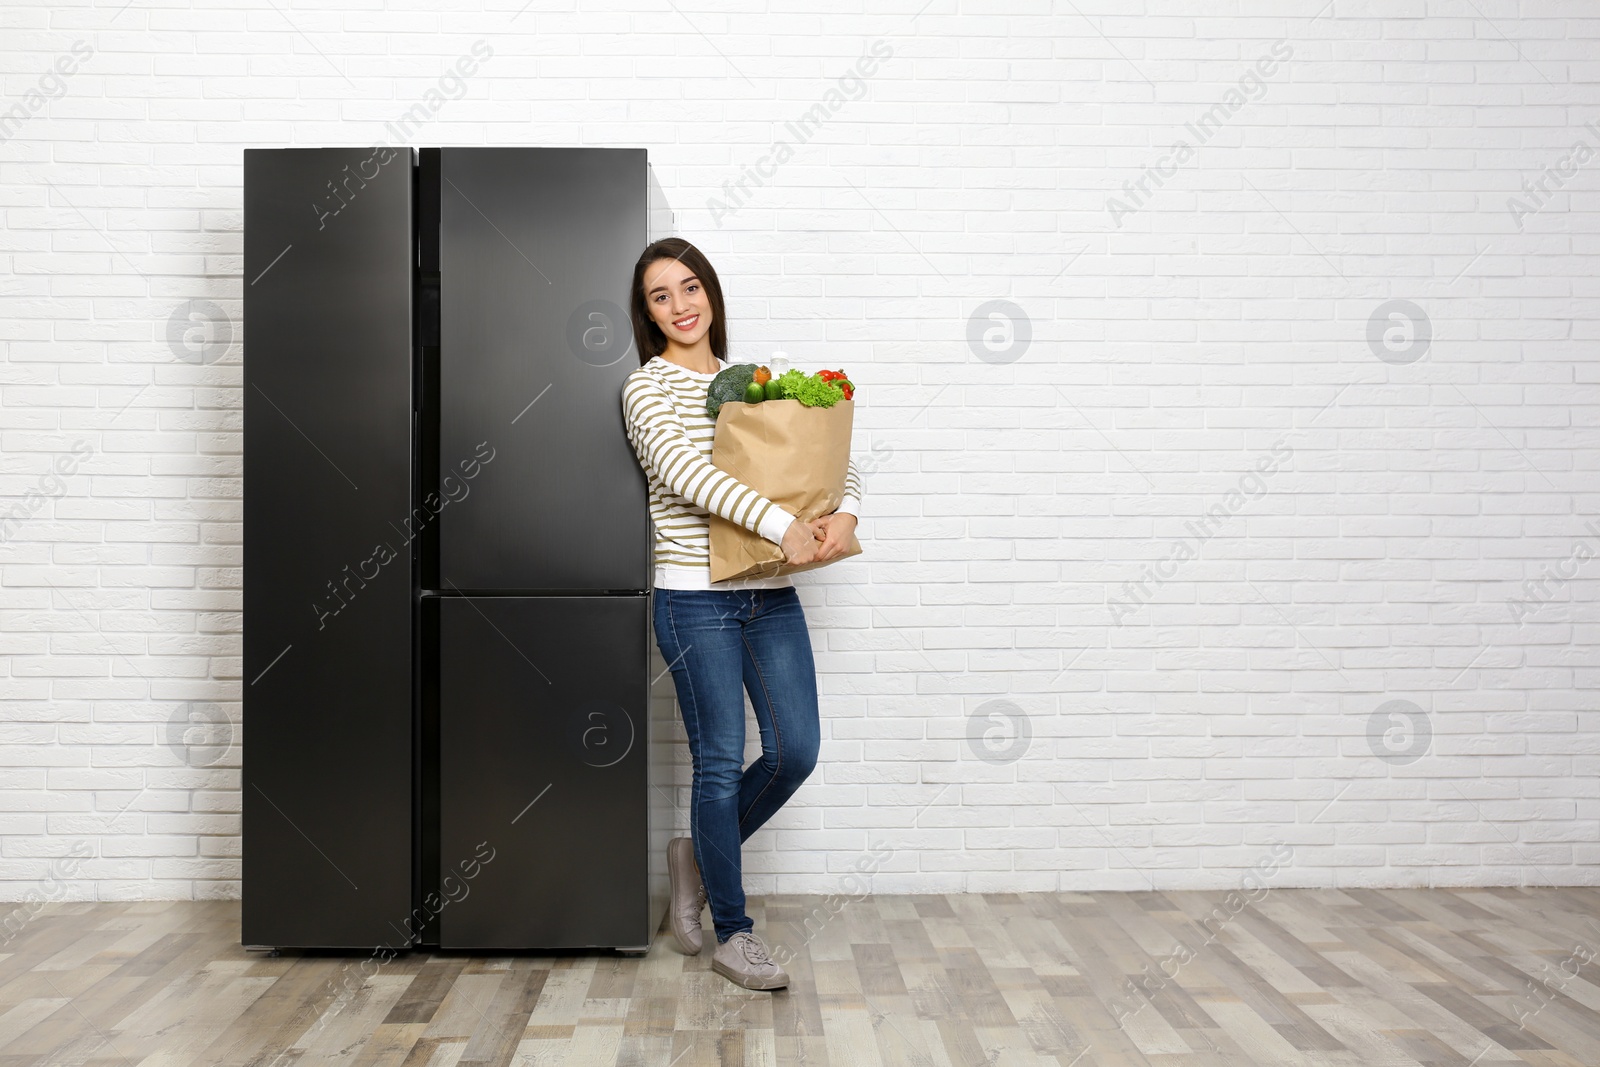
{"x":835,"y":536}
{"x":662,"y":443}
{"x":851,"y":504}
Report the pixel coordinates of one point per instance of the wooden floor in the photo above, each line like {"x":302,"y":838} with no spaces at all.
{"x":1362,"y":978}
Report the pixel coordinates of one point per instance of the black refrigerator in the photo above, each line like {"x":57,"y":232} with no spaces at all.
{"x":457,"y":727}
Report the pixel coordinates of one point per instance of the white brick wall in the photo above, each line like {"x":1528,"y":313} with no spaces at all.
{"x":1239,"y":706}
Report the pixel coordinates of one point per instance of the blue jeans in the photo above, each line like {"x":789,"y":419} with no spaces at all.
{"x":719,"y":643}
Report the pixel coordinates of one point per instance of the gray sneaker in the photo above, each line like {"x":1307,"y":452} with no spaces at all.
{"x":688,"y":895}
{"x":743,"y":960}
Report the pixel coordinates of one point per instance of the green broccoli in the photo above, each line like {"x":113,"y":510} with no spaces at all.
{"x":729,"y":384}
{"x":810,"y":390}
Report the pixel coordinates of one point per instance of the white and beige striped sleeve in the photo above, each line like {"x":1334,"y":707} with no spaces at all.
{"x":665,"y":450}
{"x":851,"y":504}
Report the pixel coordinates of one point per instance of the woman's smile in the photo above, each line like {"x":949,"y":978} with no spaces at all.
{"x":687,"y":323}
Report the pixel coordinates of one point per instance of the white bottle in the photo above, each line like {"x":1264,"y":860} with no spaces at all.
{"x":778,"y":364}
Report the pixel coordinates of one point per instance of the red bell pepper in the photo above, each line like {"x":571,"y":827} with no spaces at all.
{"x":845,"y":384}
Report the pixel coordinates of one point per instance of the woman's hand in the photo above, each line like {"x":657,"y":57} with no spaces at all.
{"x":835,"y":530}
{"x":800,"y":542}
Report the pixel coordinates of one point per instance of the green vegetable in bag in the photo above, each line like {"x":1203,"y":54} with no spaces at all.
{"x":729,"y":384}
{"x":810,"y":390}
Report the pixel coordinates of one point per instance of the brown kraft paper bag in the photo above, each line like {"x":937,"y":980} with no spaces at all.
{"x":795,"y":456}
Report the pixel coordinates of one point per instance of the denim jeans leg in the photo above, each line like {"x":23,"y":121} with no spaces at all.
{"x":781,"y":677}
{"x":698,"y":632}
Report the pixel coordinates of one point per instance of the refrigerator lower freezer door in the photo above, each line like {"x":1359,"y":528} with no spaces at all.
{"x":551,"y":797}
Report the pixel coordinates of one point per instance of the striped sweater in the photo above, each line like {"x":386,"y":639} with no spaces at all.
{"x":664,"y":410}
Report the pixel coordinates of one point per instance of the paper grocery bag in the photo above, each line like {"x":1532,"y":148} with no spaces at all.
{"x":795,"y":456}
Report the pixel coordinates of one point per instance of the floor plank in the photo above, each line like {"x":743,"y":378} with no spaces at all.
{"x":1474,"y":977}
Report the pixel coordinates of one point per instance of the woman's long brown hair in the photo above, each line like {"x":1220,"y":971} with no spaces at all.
{"x":647,"y":336}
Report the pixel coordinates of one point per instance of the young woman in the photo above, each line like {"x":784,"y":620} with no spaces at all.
{"x":719,"y":641}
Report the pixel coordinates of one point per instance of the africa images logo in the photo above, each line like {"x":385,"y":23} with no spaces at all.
{"x":1252,"y":86}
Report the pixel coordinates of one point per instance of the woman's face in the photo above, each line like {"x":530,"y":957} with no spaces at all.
{"x":677,"y":302}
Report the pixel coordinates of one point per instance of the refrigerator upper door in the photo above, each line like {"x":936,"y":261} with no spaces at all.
{"x":540,"y":490}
